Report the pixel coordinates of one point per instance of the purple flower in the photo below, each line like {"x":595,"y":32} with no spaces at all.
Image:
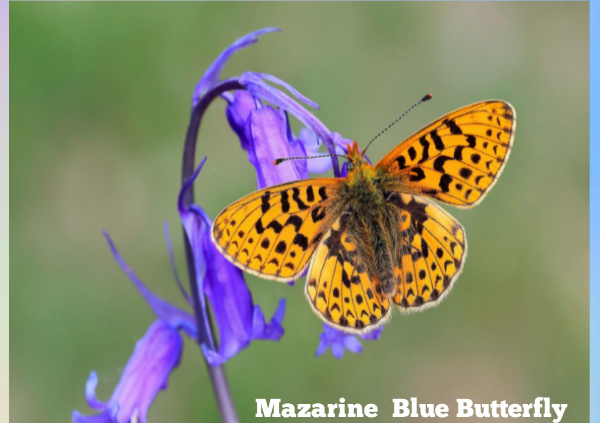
{"x":211,"y":76}
{"x":238,"y":320}
{"x":339,"y":341}
{"x":146,"y":373}
{"x":264,"y":130}
{"x":266,"y":134}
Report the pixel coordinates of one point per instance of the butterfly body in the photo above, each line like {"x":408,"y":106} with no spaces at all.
{"x":364,"y":193}
{"x":375,"y":237}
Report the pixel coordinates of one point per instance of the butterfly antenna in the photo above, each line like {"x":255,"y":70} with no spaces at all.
{"x":285,"y":159}
{"x":427,"y":97}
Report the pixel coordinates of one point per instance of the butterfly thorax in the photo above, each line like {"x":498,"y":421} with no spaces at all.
{"x":365,"y":184}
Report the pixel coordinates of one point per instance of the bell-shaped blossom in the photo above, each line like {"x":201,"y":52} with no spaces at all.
{"x":340,"y":341}
{"x":261,"y":88}
{"x":238,"y":320}
{"x":146,"y":373}
{"x":266,"y":135}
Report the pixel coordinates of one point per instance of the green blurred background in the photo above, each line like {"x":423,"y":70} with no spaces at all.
{"x":100,"y":99}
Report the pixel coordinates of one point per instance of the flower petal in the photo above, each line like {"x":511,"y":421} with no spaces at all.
{"x":260,"y":89}
{"x":104,"y":417}
{"x":240,"y":104}
{"x":267,"y":141}
{"x":155,"y":356}
{"x":339,"y":341}
{"x":373,"y":335}
{"x":272,"y":331}
{"x":90,"y":393}
{"x":237,"y":319}
{"x":177,"y":318}
{"x":352,"y":344}
{"x":288,"y":87}
{"x":212,"y":74}
{"x":311,"y":146}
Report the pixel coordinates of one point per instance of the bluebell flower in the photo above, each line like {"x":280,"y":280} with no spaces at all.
{"x":266,"y":135}
{"x":146,"y":373}
{"x":238,"y":320}
{"x":340,"y":341}
{"x":154,"y":357}
{"x":264,"y":129}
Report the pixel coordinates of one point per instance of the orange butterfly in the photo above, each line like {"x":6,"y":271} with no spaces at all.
{"x":374,"y":236}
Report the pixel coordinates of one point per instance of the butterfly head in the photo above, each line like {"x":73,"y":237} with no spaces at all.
{"x":356,"y":158}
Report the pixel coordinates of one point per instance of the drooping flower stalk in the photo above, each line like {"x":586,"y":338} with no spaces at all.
{"x":217,"y":373}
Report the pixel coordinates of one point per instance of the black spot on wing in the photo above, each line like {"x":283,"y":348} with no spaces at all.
{"x":296,"y":198}
{"x":264,"y":199}
{"x":259,"y":226}
{"x":438,"y":163}
{"x":285,"y":202}
{"x":437,"y":140}
{"x":294,"y":220}
{"x":445,"y":180}
{"x":301,"y":241}
{"x":323,"y":193}
{"x":424,"y":248}
{"x":310,"y":194}
{"x":317,"y":214}
{"x":465,"y":173}
{"x":458,"y":152}
{"x":401,"y":162}
{"x":281,"y":247}
{"x":454,"y":128}
{"x":275,"y":225}
{"x":412,"y":153}
{"x":345,"y":278}
{"x":471,"y":140}
{"x":425,"y":145}
{"x":416,"y":174}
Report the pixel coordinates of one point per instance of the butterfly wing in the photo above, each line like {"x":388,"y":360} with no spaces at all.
{"x":458,"y":158}
{"x":340,"y":287}
{"x":273,"y":232}
{"x":431,"y":251}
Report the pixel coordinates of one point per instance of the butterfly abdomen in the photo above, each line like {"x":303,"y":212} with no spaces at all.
{"x":379,"y":243}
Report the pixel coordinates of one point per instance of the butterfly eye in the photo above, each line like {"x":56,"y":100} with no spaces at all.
{"x":350,"y":166}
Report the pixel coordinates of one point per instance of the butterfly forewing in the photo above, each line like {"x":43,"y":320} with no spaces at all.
{"x":457,"y":158}
{"x":431,"y":252}
{"x":273,"y":232}
{"x":339,"y":286}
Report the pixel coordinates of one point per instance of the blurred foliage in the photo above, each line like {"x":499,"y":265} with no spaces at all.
{"x":100,"y":96}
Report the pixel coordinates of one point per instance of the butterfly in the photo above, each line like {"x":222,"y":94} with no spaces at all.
{"x":375,"y":237}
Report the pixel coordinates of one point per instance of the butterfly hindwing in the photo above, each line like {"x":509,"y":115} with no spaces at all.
{"x":273,"y":232}
{"x":339,"y":286}
{"x":430,"y":255}
{"x":457,"y":158}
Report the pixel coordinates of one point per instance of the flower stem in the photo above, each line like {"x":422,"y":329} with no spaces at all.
{"x":217,"y":373}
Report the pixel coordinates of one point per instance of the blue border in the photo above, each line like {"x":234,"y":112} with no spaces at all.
{"x":594,"y":212}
